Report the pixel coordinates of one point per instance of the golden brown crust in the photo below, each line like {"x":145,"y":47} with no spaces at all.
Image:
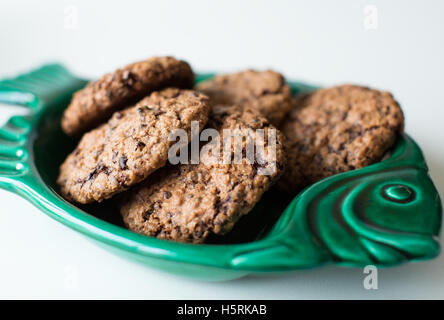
{"x":130,"y":146}
{"x":113,"y":91}
{"x":338,"y":129}
{"x":189,"y":202}
{"x":265,"y":91}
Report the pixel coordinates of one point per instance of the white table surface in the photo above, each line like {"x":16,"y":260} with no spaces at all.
{"x":325,"y":42}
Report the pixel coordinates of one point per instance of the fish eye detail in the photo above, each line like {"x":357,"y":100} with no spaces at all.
{"x":398,"y":193}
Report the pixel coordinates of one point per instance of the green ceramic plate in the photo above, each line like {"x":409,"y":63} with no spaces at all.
{"x":384,"y":214}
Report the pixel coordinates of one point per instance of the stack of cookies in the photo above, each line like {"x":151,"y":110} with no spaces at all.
{"x":126,"y":119}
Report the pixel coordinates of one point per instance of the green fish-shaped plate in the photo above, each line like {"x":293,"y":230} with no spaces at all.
{"x":384,"y":214}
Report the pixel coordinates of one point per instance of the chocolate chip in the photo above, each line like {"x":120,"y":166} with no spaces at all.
{"x":140,"y":145}
{"x":122,"y":162}
{"x":90,"y":176}
{"x":140,"y":112}
{"x":217,"y":203}
{"x":158,"y":113}
{"x":101,"y":167}
{"x":167,"y":194}
{"x":146,"y":214}
{"x":95,"y":172}
{"x":122,"y":180}
{"x":253,"y":172}
{"x":128,"y":78}
{"x":114,"y":156}
{"x":198,"y":234}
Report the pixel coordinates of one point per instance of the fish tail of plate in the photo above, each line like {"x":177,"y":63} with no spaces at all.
{"x":36,"y":89}
{"x":39,"y":87}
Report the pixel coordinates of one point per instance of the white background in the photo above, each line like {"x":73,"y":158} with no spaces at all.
{"x":324,"y":42}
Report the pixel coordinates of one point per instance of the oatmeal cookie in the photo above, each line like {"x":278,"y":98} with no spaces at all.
{"x":265,"y":91}
{"x":188,"y":202}
{"x":338,"y":129}
{"x":130,"y":146}
{"x":99,"y":99}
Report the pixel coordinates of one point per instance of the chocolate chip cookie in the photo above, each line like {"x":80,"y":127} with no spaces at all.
{"x":188,"y":202}
{"x":265,"y":91}
{"x":334,"y":130}
{"x":99,"y":99}
{"x":130,"y":146}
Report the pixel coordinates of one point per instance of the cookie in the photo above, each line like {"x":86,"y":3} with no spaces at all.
{"x":188,"y":202}
{"x":338,"y":129}
{"x":265,"y":91}
{"x":99,"y":99}
{"x":130,"y":146}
